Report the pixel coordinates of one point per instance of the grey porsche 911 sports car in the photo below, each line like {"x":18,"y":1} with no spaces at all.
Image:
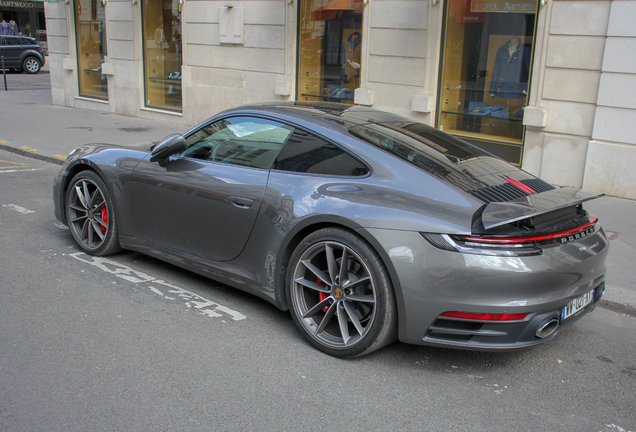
{"x":369,"y":227}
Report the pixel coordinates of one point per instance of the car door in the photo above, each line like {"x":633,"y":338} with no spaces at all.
{"x":205,"y":201}
{"x":11,"y":49}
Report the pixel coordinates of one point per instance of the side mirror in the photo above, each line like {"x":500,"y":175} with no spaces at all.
{"x":170,"y":145}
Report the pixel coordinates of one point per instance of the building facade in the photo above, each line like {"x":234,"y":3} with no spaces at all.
{"x":549,"y":86}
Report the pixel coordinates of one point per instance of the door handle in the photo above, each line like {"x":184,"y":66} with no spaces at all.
{"x":240,"y":201}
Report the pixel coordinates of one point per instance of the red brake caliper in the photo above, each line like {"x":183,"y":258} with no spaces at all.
{"x":104,"y":216}
{"x":321,"y":295}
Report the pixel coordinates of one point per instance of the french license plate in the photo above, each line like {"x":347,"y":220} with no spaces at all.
{"x":577,"y":304}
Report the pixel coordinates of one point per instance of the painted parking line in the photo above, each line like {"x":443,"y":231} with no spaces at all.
{"x":4,"y":164}
{"x":159,"y":287}
{"x":18,"y":208}
{"x":19,"y":170}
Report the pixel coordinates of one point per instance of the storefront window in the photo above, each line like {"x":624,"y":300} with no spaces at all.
{"x":91,"y":48}
{"x":486,"y":66}
{"x":162,"y":53}
{"x":329,"y":50}
{"x":24,"y":18}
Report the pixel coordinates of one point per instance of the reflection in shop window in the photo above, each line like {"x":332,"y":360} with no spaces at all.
{"x":486,"y":68}
{"x":91,"y":48}
{"x":162,"y":54}
{"x":330,"y":46}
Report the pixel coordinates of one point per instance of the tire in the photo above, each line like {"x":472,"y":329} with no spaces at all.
{"x":343,"y":318}
{"x":31,"y":65}
{"x":91,"y":216}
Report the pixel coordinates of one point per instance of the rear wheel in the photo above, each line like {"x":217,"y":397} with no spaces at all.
{"x":91,"y":216}
{"x":340,"y":294}
{"x":31,"y":65}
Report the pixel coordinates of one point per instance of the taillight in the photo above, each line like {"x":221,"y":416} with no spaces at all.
{"x":509,"y":246}
{"x":484,"y":316}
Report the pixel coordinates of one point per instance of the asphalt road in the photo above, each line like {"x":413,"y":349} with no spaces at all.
{"x":25,"y":81}
{"x":130,"y":344}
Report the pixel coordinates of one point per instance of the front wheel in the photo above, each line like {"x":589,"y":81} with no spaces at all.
{"x":31,"y":65}
{"x":340,"y":294}
{"x":91,"y":216}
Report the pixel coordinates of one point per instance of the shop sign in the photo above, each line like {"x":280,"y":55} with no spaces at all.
{"x":518,"y":6}
{"x":460,"y":9}
{"x":16,"y":4}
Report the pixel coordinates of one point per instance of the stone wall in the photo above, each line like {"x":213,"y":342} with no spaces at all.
{"x":219,"y":76}
{"x":611,"y":157}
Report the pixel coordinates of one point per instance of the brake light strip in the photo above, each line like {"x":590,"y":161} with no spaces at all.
{"x":593,"y":221}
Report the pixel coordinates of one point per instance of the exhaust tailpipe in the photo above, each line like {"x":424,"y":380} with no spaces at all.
{"x":547,"y":328}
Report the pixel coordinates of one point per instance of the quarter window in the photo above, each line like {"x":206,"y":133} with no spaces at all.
{"x":305,"y":152}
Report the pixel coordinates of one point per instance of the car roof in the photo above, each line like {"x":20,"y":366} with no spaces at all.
{"x":345,"y":114}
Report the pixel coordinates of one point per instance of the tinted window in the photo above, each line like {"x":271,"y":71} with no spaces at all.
{"x":246,"y":141}
{"x":423,"y":146}
{"x":13,"y":41}
{"x":305,"y":152}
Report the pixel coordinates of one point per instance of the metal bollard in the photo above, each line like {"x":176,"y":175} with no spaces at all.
{"x":4,"y":74}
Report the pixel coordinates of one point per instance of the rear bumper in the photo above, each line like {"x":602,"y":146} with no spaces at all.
{"x":495,"y":336}
{"x":429,"y":281}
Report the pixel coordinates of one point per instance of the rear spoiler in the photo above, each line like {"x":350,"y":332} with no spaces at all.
{"x":501,"y":213}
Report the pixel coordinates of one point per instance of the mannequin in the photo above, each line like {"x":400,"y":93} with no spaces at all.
{"x":510,"y":71}
{"x":351,"y":58}
{"x":160,"y":39}
{"x":13,"y":28}
{"x":4,"y":28}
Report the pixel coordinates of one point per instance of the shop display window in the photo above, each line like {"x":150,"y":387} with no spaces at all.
{"x":329,"y":50}
{"x":90,"y":24}
{"x":163,"y":55}
{"x":485,"y":71}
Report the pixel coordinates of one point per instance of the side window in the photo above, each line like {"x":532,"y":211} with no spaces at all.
{"x":246,"y":141}
{"x":13,"y":41}
{"x":305,"y":152}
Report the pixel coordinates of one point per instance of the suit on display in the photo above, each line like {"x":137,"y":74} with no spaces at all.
{"x":4,"y":28}
{"x":510,"y":71}
{"x":13,"y":28}
{"x":351,"y":58}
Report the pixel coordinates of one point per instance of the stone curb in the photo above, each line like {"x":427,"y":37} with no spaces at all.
{"x":32,"y":152}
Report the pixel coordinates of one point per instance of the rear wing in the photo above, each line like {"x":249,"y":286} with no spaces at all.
{"x":501,"y":213}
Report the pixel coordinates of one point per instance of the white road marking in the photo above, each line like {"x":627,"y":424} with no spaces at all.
{"x":190,"y":299}
{"x":19,"y":170}
{"x":18,"y":208}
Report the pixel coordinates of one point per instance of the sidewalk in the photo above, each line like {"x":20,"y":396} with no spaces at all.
{"x":31,"y":126}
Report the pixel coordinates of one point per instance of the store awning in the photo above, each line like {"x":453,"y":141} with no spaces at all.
{"x":331,"y":9}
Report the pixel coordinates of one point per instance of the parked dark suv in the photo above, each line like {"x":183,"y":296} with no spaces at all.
{"x":21,"y":53}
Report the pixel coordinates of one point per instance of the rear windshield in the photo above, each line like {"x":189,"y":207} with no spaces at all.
{"x":423,"y":146}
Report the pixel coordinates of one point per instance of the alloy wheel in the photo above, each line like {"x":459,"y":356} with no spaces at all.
{"x":32,"y":65}
{"x":334,"y":294}
{"x":88,"y":214}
